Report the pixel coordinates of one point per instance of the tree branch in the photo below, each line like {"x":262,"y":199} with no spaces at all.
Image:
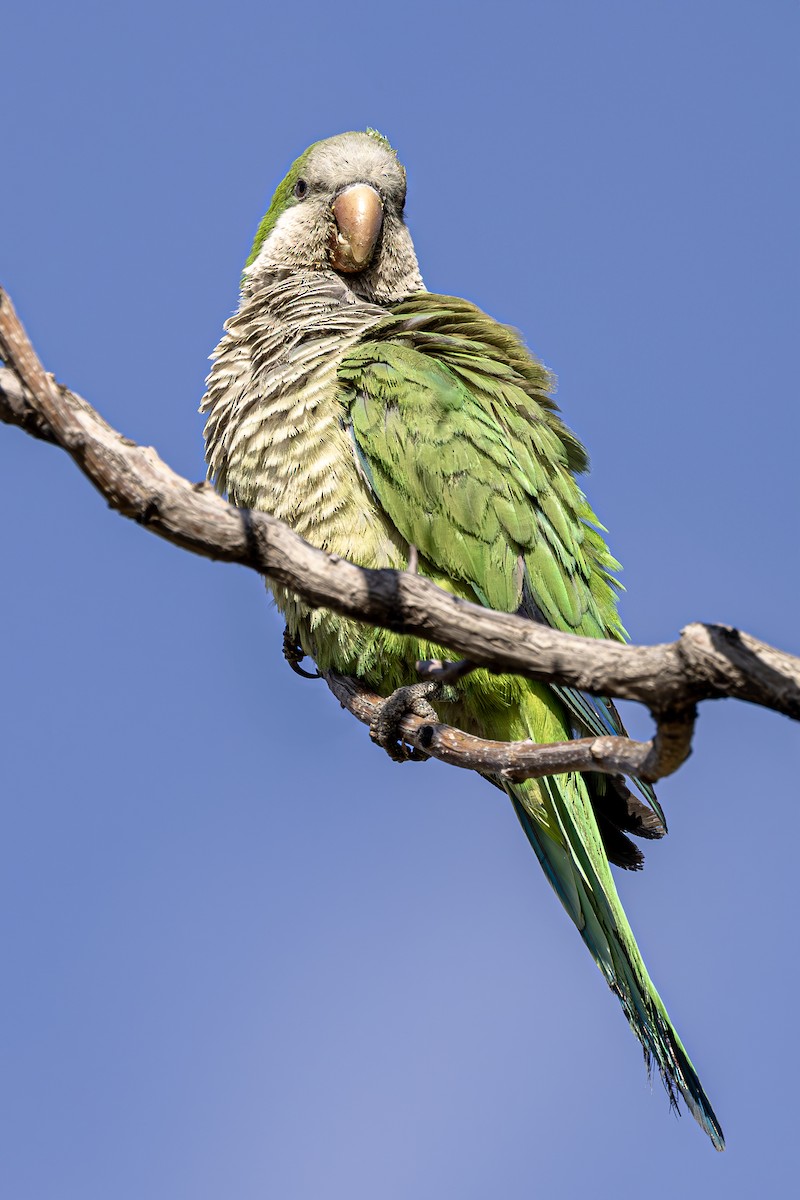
{"x":706,"y":662}
{"x":512,"y":761}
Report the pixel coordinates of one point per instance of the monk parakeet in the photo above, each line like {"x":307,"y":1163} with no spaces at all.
{"x":385,"y":423}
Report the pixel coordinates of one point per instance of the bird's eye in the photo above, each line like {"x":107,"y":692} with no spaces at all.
{"x":301,"y":189}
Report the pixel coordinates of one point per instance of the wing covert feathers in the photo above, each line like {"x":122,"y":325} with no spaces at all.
{"x":472,"y":462}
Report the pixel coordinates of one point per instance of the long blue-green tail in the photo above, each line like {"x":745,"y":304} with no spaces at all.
{"x":557,"y":816}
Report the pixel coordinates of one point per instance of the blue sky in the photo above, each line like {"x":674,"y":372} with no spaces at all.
{"x":244,"y":954}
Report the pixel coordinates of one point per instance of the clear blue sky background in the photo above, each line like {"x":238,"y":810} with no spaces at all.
{"x":244,"y":955}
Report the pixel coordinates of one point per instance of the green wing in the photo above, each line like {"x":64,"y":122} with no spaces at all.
{"x":462,"y":443}
{"x":464,"y":448}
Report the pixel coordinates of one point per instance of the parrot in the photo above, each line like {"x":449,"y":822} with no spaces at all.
{"x":398,"y":428}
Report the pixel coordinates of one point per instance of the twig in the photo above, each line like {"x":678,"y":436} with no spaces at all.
{"x":512,"y":761}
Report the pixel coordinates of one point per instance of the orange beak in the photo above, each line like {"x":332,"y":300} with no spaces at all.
{"x":358,"y":213}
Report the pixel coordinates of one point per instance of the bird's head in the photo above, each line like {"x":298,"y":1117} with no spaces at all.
{"x":340,"y":208}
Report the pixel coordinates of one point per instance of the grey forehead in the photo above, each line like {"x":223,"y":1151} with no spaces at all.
{"x":355,"y":158}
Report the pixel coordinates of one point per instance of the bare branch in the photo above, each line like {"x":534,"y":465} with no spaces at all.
{"x":706,"y":662}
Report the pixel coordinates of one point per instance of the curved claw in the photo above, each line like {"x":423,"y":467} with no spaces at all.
{"x":294,"y":654}
{"x":384,"y":727}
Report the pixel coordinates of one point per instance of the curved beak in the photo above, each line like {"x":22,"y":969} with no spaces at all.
{"x":358,"y":213}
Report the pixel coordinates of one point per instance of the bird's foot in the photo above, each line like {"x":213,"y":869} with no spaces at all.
{"x":294,"y":654}
{"x":384,"y":728}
